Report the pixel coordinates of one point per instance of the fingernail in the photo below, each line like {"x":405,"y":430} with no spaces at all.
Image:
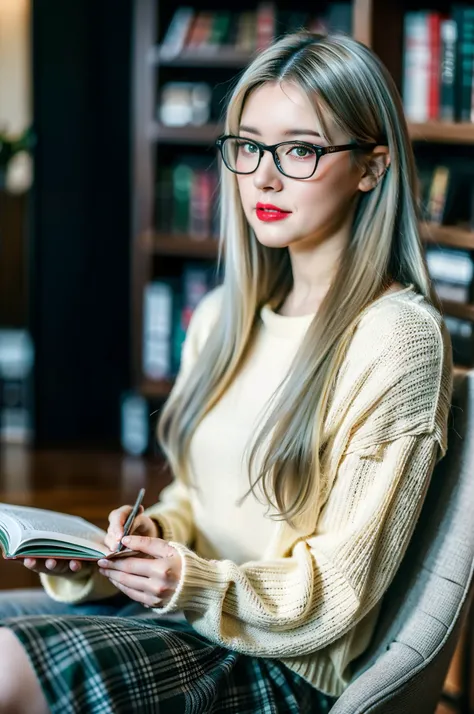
{"x":126,"y":539}
{"x":102,"y":563}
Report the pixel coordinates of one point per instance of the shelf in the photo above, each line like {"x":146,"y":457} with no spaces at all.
{"x":451,"y":236}
{"x":204,"y":57}
{"x":156,"y":389}
{"x":458,"y":309}
{"x":442,"y":132}
{"x":160,"y":389}
{"x":461,"y":369}
{"x":180,"y":245}
{"x":206,"y":134}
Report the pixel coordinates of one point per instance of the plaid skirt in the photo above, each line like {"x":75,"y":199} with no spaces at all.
{"x":144,"y":664}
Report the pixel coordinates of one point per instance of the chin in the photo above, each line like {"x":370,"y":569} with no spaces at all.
{"x":272,"y":241}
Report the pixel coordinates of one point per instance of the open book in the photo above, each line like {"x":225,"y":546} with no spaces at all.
{"x":36,"y":533}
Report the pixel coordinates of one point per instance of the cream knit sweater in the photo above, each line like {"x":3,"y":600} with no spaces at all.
{"x":309,"y":598}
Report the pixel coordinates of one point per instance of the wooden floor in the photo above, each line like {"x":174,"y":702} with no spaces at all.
{"x":85,"y":484}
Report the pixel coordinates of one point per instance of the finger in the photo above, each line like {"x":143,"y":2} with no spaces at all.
{"x":111,"y":541}
{"x":147,"y":599}
{"x":53,"y":565}
{"x":75,"y":566}
{"x":117,"y":520}
{"x":134,"y":582}
{"x":145,"y":567}
{"x":142,"y":525}
{"x":155,"y":547}
{"x":30,"y":562}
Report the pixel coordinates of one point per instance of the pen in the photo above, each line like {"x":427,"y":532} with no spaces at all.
{"x":133,"y":514}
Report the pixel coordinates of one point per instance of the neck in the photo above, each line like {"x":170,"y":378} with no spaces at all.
{"x":313,"y":267}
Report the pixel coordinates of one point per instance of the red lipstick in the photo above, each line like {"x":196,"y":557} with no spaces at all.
{"x":267,"y":212}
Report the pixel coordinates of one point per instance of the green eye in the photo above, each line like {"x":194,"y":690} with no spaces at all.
{"x":248,"y":148}
{"x":301,"y":152}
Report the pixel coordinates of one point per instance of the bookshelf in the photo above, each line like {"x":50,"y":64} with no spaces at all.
{"x":157,"y":251}
{"x":442,"y":132}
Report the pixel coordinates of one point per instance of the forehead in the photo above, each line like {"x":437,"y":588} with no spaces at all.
{"x":278,"y":107}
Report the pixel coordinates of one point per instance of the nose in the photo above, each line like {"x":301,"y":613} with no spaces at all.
{"x":267,"y":176}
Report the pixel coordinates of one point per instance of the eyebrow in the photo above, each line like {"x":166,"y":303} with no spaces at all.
{"x":288,"y":132}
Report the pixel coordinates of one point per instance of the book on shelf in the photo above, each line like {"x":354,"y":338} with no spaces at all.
{"x":438,"y":195}
{"x":438,"y":77}
{"x":168,"y":307}
{"x":462,"y":338}
{"x":16,"y":386}
{"x":247,"y":31}
{"x":186,"y":200}
{"x":27,"y":532}
{"x":161,"y":323}
{"x":134,"y":423}
{"x":447,"y":192}
{"x":452,"y":273}
{"x":448,"y":36}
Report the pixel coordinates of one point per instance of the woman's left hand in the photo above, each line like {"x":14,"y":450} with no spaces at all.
{"x":150,"y":580}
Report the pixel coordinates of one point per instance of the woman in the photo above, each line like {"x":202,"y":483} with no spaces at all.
{"x":309,"y":413}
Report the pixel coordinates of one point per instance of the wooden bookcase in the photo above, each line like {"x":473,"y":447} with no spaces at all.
{"x":153,"y":253}
{"x":377,"y":23}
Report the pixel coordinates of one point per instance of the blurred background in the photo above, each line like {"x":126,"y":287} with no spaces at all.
{"x":109,"y":217}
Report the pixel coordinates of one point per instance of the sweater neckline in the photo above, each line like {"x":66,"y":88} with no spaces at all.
{"x":289,"y":326}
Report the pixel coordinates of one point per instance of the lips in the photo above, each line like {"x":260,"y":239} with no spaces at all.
{"x":269,"y":212}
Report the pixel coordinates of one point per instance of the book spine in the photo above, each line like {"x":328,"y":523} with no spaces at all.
{"x":462,"y":338}
{"x":158,"y":306}
{"x":175,"y":37}
{"x":448,"y":32}
{"x":434,"y":22}
{"x":182,"y":183}
{"x":202,"y":192}
{"x":266,"y":20}
{"x":200,"y":31}
{"x":467,"y":60}
{"x":450,"y":265}
{"x":417,"y":66}
{"x":438,"y":194}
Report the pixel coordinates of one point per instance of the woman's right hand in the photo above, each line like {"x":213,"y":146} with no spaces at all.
{"x":142,"y":525}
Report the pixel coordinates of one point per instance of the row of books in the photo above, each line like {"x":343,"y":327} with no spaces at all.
{"x":438,"y":82}
{"x":168,"y":305}
{"x":186,"y":200}
{"x":246,"y":31}
{"x":447,"y":192}
{"x":16,"y":386}
{"x":170,"y":302}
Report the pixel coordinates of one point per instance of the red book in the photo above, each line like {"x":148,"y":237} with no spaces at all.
{"x":434,"y":39}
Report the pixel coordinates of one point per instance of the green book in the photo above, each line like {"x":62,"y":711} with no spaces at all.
{"x":27,"y":532}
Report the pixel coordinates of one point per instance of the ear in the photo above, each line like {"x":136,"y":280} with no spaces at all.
{"x":376,"y":166}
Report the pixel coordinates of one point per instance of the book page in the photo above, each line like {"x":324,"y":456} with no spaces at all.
{"x":39,"y":523}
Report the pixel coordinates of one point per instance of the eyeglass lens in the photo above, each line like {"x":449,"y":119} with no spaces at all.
{"x":296,"y":160}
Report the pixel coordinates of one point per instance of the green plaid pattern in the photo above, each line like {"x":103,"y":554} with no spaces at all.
{"x":144,"y":665}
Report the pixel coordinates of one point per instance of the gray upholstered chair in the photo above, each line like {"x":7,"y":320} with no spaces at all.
{"x":404,"y":669}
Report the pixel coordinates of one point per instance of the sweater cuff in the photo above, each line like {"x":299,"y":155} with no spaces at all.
{"x":202,"y":583}
{"x":165,"y":525}
{"x":90,"y":588}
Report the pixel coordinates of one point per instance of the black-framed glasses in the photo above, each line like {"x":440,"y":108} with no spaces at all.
{"x":294,"y":159}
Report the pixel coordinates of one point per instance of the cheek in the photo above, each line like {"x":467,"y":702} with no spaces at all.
{"x":336,"y":183}
{"x":246,"y":192}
